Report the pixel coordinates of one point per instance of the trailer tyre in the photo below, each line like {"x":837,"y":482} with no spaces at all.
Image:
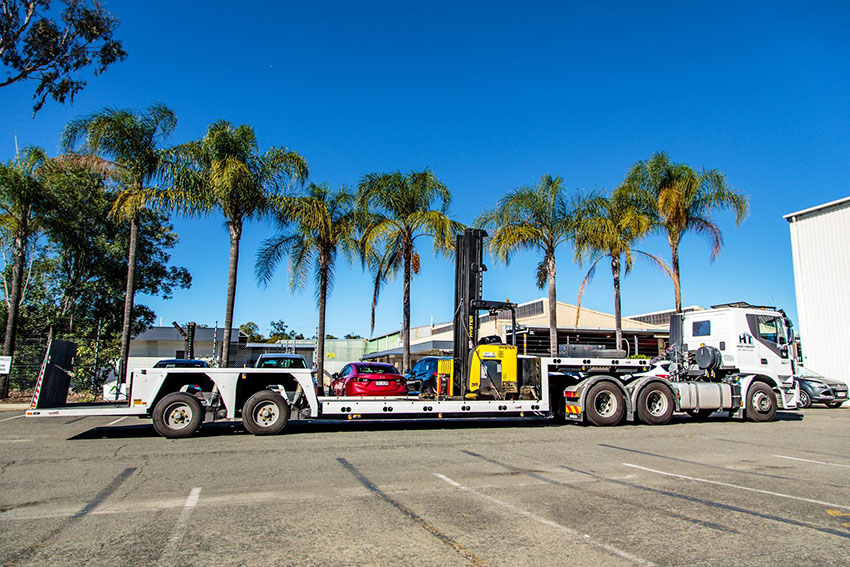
{"x":177,"y":415}
{"x":265,"y":413}
{"x":655,"y":404}
{"x":604,"y":404}
{"x":761,"y":402}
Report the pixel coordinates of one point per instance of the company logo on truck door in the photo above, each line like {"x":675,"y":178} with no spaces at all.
{"x":745,"y":339}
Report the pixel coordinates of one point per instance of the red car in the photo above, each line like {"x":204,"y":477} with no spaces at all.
{"x":369,"y":379}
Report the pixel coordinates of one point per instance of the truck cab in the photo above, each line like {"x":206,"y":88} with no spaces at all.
{"x":749,"y":340}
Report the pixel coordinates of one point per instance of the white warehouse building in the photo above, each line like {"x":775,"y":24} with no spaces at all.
{"x":820,"y":246}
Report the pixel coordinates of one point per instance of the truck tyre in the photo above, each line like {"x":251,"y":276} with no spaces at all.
{"x":604,"y":404}
{"x":265,"y":413}
{"x":655,"y":404}
{"x":805,"y":399}
{"x":177,"y":415}
{"x":761,"y":402}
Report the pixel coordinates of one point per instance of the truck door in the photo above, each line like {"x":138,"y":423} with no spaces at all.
{"x":772,"y":349}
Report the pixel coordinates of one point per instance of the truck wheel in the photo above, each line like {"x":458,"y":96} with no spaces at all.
{"x":177,"y":415}
{"x":805,"y":399}
{"x":655,"y":405}
{"x":265,"y":413}
{"x":761,"y":402}
{"x":604,"y":404}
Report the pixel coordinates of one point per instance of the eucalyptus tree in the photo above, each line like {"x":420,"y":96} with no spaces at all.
{"x":21,"y":206}
{"x":124,"y":145}
{"x":607,"y":227}
{"x":224,"y":171}
{"x":397,"y":209}
{"x":312,"y":229}
{"x":681,"y":200}
{"x":538,"y":217}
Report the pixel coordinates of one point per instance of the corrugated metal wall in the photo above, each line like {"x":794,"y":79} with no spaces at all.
{"x":820,"y":244}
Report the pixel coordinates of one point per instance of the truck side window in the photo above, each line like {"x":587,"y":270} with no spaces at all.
{"x":768,"y":328}
{"x":702,"y":328}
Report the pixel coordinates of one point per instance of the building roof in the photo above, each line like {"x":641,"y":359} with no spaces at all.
{"x":665,"y":311}
{"x":818,"y":209}
{"x":171,"y":334}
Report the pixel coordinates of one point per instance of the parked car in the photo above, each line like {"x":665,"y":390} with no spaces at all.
{"x":181,"y":363}
{"x":815,"y":389}
{"x":423,"y":376}
{"x":280,"y":360}
{"x":368,"y":379}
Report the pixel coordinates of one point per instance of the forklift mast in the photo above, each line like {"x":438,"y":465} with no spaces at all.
{"x":469,"y":270}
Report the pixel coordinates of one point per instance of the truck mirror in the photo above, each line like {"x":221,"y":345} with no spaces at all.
{"x":335,"y":375}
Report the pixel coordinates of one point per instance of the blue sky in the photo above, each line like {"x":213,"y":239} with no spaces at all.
{"x":491,"y":96}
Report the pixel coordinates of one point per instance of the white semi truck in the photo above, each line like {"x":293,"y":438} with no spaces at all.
{"x":734,"y":358}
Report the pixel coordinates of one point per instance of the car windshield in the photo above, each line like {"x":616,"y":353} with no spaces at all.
{"x":283,"y":362}
{"x":376,"y":369}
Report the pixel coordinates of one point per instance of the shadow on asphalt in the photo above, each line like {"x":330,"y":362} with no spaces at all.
{"x":226,"y":428}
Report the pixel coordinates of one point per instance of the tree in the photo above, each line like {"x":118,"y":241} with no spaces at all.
{"x":396,"y":209}
{"x":225,"y":171}
{"x":123,"y":144}
{"x":538,"y":217}
{"x":21,"y":204}
{"x":324,"y":223}
{"x":608,"y":227}
{"x":75,"y":284}
{"x":682,"y":200}
{"x":351,"y":336}
{"x":252,"y":331}
{"x":50,"y":47}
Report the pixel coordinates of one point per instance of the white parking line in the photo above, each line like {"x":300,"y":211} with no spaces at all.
{"x":11,"y":418}
{"x":119,"y":420}
{"x":747,"y":488}
{"x":5,"y":441}
{"x":811,"y":461}
{"x":180,"y":527}
{"x":584,"y":537}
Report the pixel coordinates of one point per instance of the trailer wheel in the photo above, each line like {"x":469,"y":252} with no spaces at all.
{"x":805,"y":399}
{"x":265,"y":413}
{"x":761,"y":402}
{"x":177,"y":415}
{"x":655,"y":405}
{"x":604,"y":404}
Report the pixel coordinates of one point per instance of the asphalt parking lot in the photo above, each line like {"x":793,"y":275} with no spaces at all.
{"x":99,"y":491}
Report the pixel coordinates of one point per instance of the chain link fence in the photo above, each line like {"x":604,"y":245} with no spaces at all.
{"x":92,"y":364}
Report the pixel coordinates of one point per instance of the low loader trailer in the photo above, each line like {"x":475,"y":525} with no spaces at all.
{"x":734,"y":358}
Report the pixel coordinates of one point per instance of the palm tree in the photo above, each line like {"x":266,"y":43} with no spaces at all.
{"x":123,"y":144}
{"x":533,"y":218}
{"x":397,"y":210}
{"x":225,"y":171}
{"x":608,"y":227}
{"x":682,"y":200}
{"x":324,"y":223}
{"x":21,"y":197}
